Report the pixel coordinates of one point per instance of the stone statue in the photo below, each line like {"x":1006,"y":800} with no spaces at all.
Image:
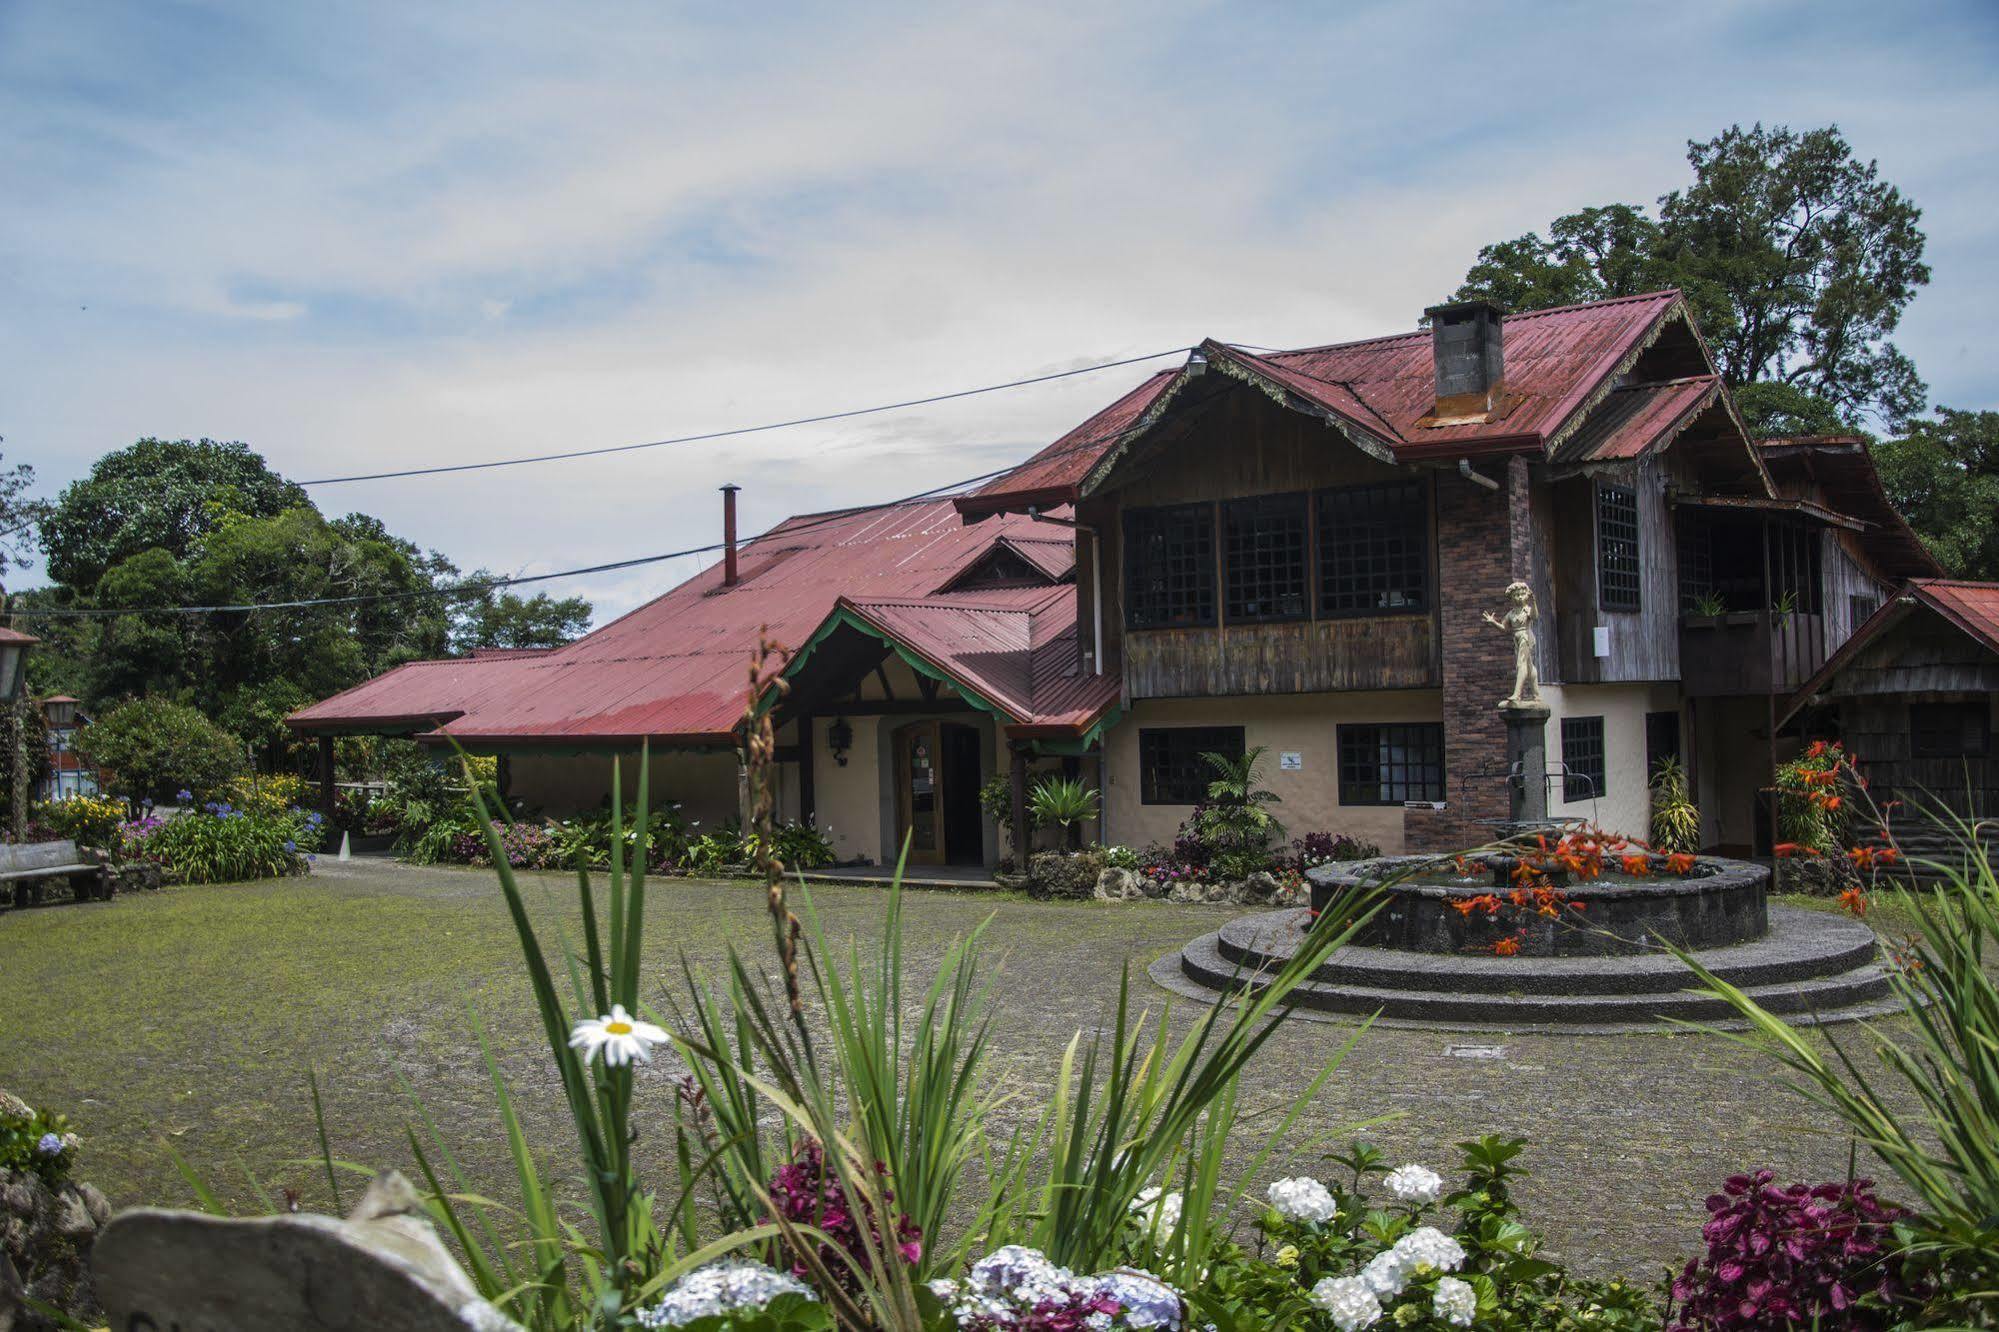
{"x":1519,"y":621}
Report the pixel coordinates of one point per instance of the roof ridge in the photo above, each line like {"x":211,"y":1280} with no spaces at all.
{"x":1517,"y":314}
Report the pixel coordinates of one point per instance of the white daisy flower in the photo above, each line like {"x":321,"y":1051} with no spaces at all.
{"x":1302,"y":1199}
{"x":1415,"y":1184}
{"x":1349,"y":1301}
{"x":620,"y":1038}
{"x":1455,"y":1302}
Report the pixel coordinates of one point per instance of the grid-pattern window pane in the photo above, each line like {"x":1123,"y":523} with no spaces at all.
{"x":1171,"y":769}
{"x":1696,"y":559}
{"x":1948,"y":730}
{"x":1617,"y":585}
{"x":1582,"y":758}
{"x":1389,"y":764}
{"x":1265,"y":543}
{"x":1169,"y":560}
{"x":1795,"y":567}
{"x":1860,"y":609}
{"x":1374,"y":546}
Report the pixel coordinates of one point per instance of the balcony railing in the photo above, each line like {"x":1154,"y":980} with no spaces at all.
{"x":1749,"y":652}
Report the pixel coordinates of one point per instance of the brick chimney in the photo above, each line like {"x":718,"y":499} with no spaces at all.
{"x":729,"y":534}
{"x":1468,"y":349}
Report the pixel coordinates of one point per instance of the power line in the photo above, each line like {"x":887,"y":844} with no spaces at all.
{"x":745,"y":430}
{"x":490,"y":584}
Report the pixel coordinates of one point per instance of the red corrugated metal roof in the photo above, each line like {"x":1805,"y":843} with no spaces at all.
{"x":1634,"y":418}
{"x":1839,"y":471}
{"x":674,"y":669}
{"x":1973,"y":607}
{"x":1555,"y":361}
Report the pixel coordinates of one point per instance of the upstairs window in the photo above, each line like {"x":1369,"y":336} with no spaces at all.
{"x":1171,"y":769}
{"x":1374,"y":546}
{"x":1582,"y":758}
{"x":1859,"y":610}
{"x":1169,"y":560}
{"x":1265,"y":543}
{"x":1948,"y":730}
{"x":1617,"y":585}
{"x":1795,"y":568}
{"x":1391,"y":764}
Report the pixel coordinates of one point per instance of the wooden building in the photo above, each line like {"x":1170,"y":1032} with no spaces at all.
{"x":1293,"y":550}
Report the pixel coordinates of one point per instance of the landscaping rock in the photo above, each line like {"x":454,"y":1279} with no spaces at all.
{"x":1120,"y":885}
{"x":382,"y":1268}
{"x":1064,"y":873}
{"x":46,"y":1240}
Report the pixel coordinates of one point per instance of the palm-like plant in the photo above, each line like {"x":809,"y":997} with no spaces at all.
{"x":1238,"y":817}
{"x":1064,"y":802}
{"x":1676,"y":820}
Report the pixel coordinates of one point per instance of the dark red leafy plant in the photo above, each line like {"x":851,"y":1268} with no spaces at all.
{"x":1791,"y":1256}
{"x":806,"y":1193}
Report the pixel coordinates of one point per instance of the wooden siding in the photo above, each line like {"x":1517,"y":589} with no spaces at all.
{"x":1304,"y":657}
{"x":1645,"y":643}
{"x":1243,"y":445}
{"x":1922,"y":655}
{"x":1749,"y":652}
{"x":1844,"y":578}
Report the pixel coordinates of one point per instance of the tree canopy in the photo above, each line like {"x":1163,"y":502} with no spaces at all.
{"x":1943,"y":474}
{"x":154,"y":748}
{"x":163,"y":525}
{"x":1797,"y":258}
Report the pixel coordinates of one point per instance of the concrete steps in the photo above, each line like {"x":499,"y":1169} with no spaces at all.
{"x":1812,"y":967}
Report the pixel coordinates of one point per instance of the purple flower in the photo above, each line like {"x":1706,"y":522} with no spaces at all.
{"x":183,"y":795}
{"x":50,"y":1145}
{"x":291,"y":846}
{"x":806,"y":1192}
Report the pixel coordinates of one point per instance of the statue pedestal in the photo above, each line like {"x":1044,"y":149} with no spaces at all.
{"x":1527,"y":763}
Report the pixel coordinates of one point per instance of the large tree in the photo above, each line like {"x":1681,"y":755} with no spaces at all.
{"x":1797,"y":258}
{"x":508,"y":620}
{"x":1943,"y":474}
{"x":159,"y":493}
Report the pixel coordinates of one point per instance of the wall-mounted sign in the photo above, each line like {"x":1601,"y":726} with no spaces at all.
{"x":1290,"y":760}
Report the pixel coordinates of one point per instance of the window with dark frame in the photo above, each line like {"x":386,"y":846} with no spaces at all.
{"x":1171,"y":769}
{"x":1391,"y":763}
{"x":1949,"y":730}
{"x":1169,"y":560}
{"x":1860,"y":609}
{"x":1374,"y":544}
{"x":1264,"y":548}
{"x":1582,"y":758}
{"x":1662,"y":739}
{"x":1617,"y":570}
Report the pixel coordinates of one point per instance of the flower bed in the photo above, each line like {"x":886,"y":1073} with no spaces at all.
{"x":219,"y":843}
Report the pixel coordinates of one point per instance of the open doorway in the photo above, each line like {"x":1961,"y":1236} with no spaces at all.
{"x":937,"y":793}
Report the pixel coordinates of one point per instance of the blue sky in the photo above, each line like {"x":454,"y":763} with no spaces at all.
{"x":372,"y":236}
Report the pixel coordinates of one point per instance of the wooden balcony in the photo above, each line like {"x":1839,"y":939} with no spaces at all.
{"x":1748,"y":653}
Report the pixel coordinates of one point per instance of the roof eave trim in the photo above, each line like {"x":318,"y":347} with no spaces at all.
{"x":846,"y":613}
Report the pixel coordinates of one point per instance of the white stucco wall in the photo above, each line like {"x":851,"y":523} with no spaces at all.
{"x":1304,"y":723}
{"x":1625,"y":806}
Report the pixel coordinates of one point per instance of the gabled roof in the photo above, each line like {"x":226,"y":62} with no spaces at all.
{"x":674,"y":670}
{"x":1636,"y":418}
{"x":1377,"y":392}
{"x":1840,"y":469}
{"x":1972,"y":608}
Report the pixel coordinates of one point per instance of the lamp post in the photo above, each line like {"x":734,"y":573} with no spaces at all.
{"x":14,"y":647}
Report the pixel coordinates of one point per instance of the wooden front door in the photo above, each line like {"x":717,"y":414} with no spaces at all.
{"x":919,"y":793}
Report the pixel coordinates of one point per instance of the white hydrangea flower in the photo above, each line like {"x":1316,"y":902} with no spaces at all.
{"x":1430,"y":1248}
{"x":720,"y":1288}
{"x":1349,"y":1302}
{"x":620,"y":1037}
{"x":1302,"y":1198}
{"x":1455,"y":1302}
{"x":1157,"y":1211}
{"x":1386,"y":1274}
{"x":1415,"y":1184}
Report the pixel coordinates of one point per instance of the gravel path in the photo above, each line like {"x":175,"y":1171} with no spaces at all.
{"x":187,"y":1018}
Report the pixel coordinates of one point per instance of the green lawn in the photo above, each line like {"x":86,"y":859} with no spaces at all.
{"x":187,"y":1019}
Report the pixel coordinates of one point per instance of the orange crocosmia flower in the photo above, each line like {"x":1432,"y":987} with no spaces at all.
{"x":1638,"y":866}
{"x":1680,"y":862}
{"x":1785,"y":850}
{"x":1861,"y":856}
{"x":1831,"y":803}
{"x":1886,"y":855}
{"x":1505,"y":947}
{"x":1854,"y":900}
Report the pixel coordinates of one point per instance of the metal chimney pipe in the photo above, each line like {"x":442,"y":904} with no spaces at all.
{"x":729,"y":534}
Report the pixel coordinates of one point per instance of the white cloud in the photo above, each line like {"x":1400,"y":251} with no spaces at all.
{"x":439,"y":240}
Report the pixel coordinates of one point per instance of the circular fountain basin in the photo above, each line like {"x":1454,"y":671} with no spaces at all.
{"x":1715,"y":904}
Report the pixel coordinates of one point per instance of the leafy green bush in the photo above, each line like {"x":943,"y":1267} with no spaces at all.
{"x":1235,"y":821}
{"x":1120,"y":857}
{"x":1339,"y":1253}
{"x":155,"y":749}
{"x":267,"y":793}
{"x":219,"y":843}
{"x":86,"y":820}
{"x":35,"y":1141}
{"x":802,"y":846}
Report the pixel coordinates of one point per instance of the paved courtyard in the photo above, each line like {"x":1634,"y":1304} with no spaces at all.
{"x":186,"y":1019}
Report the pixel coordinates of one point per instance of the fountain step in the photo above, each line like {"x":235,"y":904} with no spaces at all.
{"x":1789,"y":978}
{"x":1802,"y":945}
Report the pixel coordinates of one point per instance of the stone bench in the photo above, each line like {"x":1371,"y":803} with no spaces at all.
{"x":25,"y":866}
